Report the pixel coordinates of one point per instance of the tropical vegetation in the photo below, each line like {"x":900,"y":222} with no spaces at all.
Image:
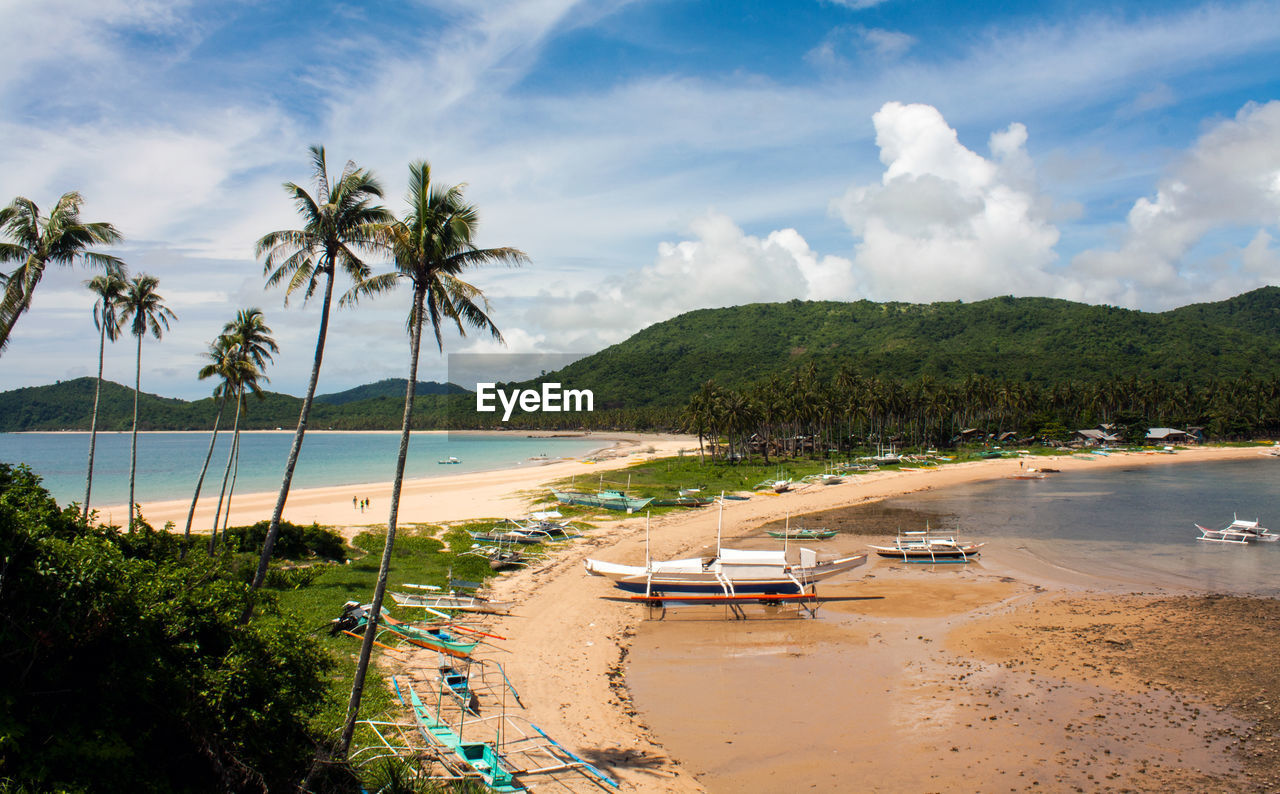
{"x":430,"y":248}
{"x":142,"y":309}
{"x":339,"y":226}
{"x":110,"y":289}
{"x":35,"y":241}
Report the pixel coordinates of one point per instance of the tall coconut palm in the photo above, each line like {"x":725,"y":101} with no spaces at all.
{"x":250,"y":338}
{"x":110,"y":289}
{"x":222,"y":364}
{"x":144,"y":311}
{"x":431,"y":247}
{"x":339,"y":223}
{"x":35,"y":241}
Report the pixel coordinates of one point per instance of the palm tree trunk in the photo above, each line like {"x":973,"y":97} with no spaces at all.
{"x":366,"y":647}
{"x":133,"y":446}
{"x":273,"y":531}
{"x":213,"y":536}
{"x":93,"y":421}
{"x":186,"y":533}
{"x":235,"y":472}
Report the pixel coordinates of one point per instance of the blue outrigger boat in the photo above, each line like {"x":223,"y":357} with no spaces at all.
{"x":610,"y":500}
{"x":482,"y":757}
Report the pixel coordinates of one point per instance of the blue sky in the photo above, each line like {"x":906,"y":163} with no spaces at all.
{"x":651,"y":157}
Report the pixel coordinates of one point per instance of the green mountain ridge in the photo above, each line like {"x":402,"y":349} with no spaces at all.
{"x":390,"y":387}
{"x":1038,"y":340}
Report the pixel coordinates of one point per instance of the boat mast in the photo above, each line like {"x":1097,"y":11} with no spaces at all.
{"x":719,"y":523}
{"x":646,"y":541}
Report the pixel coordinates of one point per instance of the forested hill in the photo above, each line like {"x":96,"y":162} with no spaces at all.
{"x":1041,"y":340}
{"x":67,"y":406}
{"x":391,"y":387}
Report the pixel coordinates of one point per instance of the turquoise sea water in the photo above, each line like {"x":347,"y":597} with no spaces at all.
{"x":169,"y":463}
{"x":1131,"y":527}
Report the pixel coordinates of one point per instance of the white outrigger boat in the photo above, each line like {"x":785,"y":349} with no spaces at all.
{"x":1238,"y":531}
{"x":925,"y":546}
{"x":729,"y":574}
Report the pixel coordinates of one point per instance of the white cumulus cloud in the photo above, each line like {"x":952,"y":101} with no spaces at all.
{"x":1229,"y":179}
{"x":945,"y":222}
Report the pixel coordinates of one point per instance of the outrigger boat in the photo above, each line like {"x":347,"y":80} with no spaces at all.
{"x":354,"y":621}
{"x":435,"y":599}
{"x":802,"y":533}
{"x":609,"y":500}
{"x":1238,"y":531}
{"x":924,"y":546}
{"x":730,"y":573}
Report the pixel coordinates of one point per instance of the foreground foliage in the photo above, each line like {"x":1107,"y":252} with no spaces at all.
{"x":124,"y":667}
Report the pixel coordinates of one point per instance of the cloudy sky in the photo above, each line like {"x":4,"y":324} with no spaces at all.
{"x":651,"y":157}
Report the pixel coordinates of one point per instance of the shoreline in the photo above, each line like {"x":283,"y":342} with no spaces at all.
{"x":568,"y":639}
{"x":486,"y":493}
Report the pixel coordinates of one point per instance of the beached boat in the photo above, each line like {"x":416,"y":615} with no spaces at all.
{"x":610,"y":500}
{"x":482,"y":757}
{"x":458,"y":684}
{"x":1238,"y":531}
{"x":802,"y":533}
{"x":925,"y":546}
{"x":683,"y":501}
{"x":433,"y":598}
{"x":730,"y":572}
{"x":354,"y":620}
{"x":777,"y":486}
{"x":826,"y":478}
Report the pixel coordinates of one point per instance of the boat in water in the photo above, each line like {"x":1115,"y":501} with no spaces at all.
{"x":448,"y":460}
{"x":1238,"y":531}
{"x":928,"y":547}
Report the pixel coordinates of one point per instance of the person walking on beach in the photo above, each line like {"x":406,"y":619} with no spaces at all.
{"x":353,"y":503}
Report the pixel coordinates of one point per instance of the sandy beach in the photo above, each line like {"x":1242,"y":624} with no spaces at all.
{"x":919,"y":684}
{"x":1003,"y":674}
{"x":498,"y":493}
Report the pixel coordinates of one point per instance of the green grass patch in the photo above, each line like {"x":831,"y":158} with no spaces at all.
{"x":420,"y":556}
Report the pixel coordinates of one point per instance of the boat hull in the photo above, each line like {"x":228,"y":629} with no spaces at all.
{"x":791,"y":580}
{"x":627,"y":503}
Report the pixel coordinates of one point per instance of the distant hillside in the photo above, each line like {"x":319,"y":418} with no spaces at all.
{"x":67,"y":405}
{"x":1041,"y":340}
{"x":391,"y":387}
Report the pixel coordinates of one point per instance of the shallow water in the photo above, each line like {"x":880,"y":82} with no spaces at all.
{"x":1129,"y":526}
{"x":866,"y":693}
{"x":169,"y":463}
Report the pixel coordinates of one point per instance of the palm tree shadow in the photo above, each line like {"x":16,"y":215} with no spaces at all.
{"x":622,"y":758}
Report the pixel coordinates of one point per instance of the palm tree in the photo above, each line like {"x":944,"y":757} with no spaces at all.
{"x":60,"y":238}
{"x":251,"y":341}
{"x":110,"y":290}
{"x":431,"y":247}
{"x":338,"y":223}
{"x":144,"y":310}
{"x":222,"y":364}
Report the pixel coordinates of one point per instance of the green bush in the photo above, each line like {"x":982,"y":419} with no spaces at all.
{"x":293,"y":543}
{"x":124,"y":667}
